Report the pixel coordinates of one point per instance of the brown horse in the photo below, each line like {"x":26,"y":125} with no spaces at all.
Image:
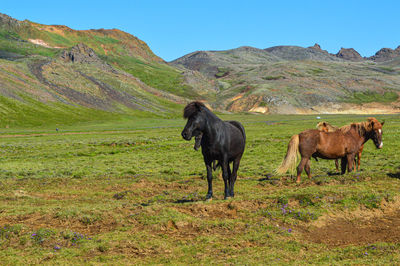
{"x":330,"y":145}
{"x":326,"y":127}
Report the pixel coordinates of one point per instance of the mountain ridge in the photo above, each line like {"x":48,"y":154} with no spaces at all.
{"x":102,"y":73}
{"x":293,"y":79}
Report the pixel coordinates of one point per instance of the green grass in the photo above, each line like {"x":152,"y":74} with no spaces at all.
{"x":370,"y":96}
{"x":273,"y":77}
{"x":131,"y":192}
{"x":156,"y":75}
{"x":8,"y":43}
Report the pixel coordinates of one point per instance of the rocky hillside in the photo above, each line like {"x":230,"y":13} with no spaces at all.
{"x":51,"y":74}
{"x":292,"y":79}
{"x":54,"y":74}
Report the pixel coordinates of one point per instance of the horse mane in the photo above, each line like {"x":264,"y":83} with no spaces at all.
{"x":192,"y":108}
{"x":362,"y":127}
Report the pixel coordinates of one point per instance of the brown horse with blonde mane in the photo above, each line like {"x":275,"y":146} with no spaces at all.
{"x":330,"y":145}
{"x":325,"y":126}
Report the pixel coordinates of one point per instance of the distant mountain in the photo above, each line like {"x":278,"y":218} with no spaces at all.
{"x":300,"y":53}
{"x":293,"y":79}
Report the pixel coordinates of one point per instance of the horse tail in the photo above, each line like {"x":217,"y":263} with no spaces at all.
{"x":289,"y":163}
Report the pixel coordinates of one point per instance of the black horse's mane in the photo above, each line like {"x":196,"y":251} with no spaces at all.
{"x":192,"y":108}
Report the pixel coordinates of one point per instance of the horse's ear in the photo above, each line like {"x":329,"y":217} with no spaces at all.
{"x":383,"y":123}
{"x":324,"y":123}
{"x":372,"y":124}
{"x":198,"y":105}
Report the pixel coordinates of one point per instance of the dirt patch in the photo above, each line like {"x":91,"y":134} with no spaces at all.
{"x":225,"y":210}
{"x":42,"y":43}
{"x":361,"y":227}
{"x":35,"y":221}
{"x":201,"y":210}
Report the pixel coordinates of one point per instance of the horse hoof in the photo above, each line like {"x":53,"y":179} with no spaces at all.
{"x":208,"y":197}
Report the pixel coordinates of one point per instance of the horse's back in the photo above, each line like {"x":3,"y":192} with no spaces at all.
{"x":237,"y":138}
{"x":308,"y":140}
{"x":239,"y":126}
{"x":327,"y":145}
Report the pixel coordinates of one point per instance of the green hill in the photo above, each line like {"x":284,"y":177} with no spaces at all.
{"x":54,"y":74}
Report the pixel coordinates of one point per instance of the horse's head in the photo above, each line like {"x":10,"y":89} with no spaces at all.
{"x":194,"y":112}
{"x":326,"y":127}
{"x":375,"y":129}
{"x":322,"y":126}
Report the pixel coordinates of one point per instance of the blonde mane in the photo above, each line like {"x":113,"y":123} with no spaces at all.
{"x":362,"y":127}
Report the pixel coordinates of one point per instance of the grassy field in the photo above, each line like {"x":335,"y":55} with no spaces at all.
{"x":132,"y":193}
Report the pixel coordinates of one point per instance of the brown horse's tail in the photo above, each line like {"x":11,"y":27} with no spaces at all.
{"x":289,"y":163}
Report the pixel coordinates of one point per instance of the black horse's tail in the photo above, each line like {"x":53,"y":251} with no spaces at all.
{"x":240,"y":127}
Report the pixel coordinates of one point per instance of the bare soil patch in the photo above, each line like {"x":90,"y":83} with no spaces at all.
{"x":360,"y":227}
{"x":225,"y":210}
{"x":35,"y":221}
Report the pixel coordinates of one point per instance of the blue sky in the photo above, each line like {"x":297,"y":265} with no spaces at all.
{"x":175,"y":28}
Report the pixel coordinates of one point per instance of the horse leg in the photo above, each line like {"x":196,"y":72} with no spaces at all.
{"x":337,"y":165}
{"x":300,"y":168}
{"x":225,"y":176}
{"x":355,"y":164}
{"x":359,"y":156}
{"x":358,"y":161}
{"x":350,"y":162}
{"x":343,"y":165}
{"x":209,"y":180}
{"x":229,"y":180}
{"x":235,"y":167}
{"x":308,"y":169}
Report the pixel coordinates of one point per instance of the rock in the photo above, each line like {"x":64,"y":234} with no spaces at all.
{"x":316,"y":47}
{"x":349,"y":54}
{"x":80,"y":53}
{"x":386,"y":54}
{"x":8,"y":23}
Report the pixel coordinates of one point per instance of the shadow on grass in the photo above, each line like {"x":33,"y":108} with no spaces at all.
{"x":192,"y":197}
{"x":330,"y":173}
{"x":394,"y":175}
{"x":267,"y":177}
{"x":180,"y":201}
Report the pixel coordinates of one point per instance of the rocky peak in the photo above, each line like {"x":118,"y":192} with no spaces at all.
{"x":349,"y":54}
{"x":8,"y":22}
{"x":316,"y":47}
{"x":386,"y":54}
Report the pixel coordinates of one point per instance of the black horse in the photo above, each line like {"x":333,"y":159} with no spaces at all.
{"x":223,"y":141}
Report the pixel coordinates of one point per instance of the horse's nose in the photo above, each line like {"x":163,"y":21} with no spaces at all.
{"x":184,"y":134}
